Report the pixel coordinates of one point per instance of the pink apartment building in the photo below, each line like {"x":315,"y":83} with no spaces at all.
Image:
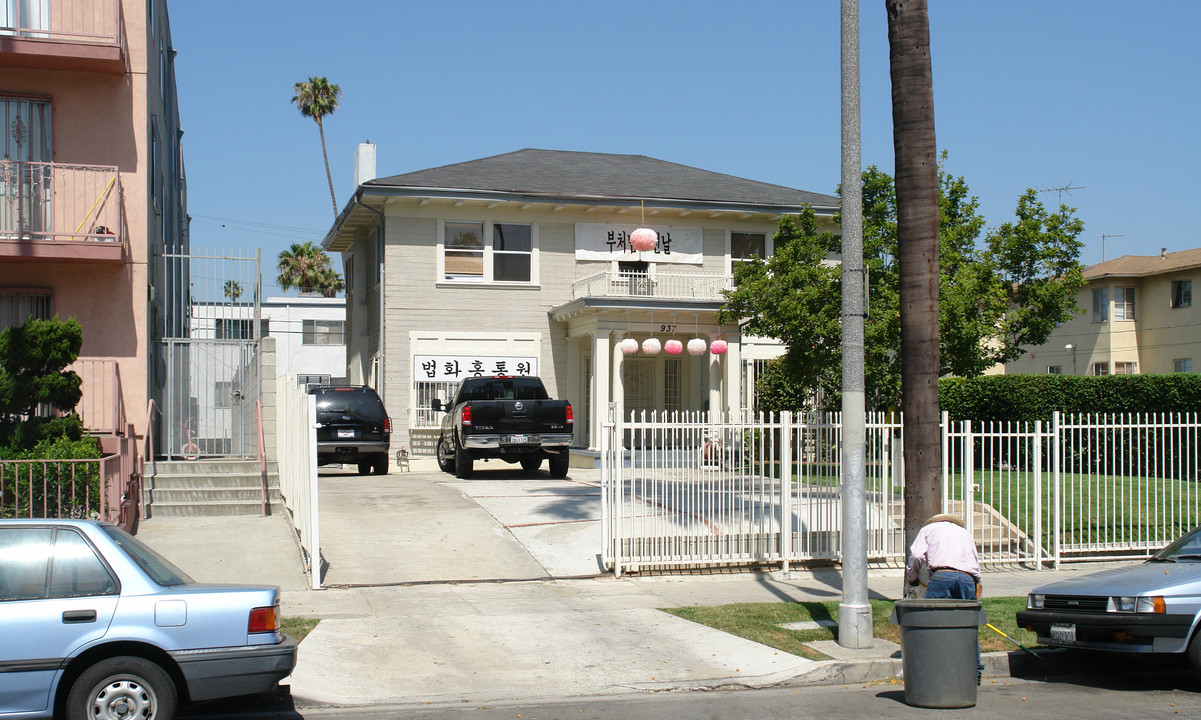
{"x":92,"y":189}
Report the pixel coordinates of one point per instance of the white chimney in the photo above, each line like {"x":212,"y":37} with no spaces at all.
{"x":364,"y":163}
{"x":1163,"y":253}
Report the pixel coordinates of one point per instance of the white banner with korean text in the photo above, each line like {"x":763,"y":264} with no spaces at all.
{"x":604,"y":241}
{"x":444,"y":368}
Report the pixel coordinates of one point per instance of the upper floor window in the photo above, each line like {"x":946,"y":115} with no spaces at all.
{"x":1123,"y":303}
{"x":1055,"y":369}
{"x":1124,"y":368}
{"x":1101,"y":368}
{"x":1182,"y":365}
{"x":506,"y":258}
{"x":744,"y":246}
{"x":1182,"y":293}
{"x":1101,"y":305}
{"x":323,"y":332}
{"x":18,"y":306}
{"x":234,"y":329}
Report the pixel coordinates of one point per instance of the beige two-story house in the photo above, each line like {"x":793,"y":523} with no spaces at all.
{"x":523,"y":263}
{"x":1139,"y":318}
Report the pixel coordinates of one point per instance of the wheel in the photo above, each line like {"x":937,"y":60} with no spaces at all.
{"x":463,"y":463}
{"x":365,"y":467}
{"x":558,"y":465}
{"x":446,"y":461}
{"x":1194,"y":654}
{"x":530,"y":464}
{"x":122,"y":688}
{"x":380,"y":463}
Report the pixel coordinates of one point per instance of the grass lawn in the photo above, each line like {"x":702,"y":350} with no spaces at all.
{"x":298,"y":627}
{"x":761,"y":622}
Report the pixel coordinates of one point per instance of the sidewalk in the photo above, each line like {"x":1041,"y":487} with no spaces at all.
{"x":452,"y":591}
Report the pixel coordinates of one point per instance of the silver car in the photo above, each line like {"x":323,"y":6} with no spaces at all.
{"x":1152,"y":607}
{"x":95,"y":625}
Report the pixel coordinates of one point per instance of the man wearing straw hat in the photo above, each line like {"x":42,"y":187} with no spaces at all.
{"x":947,"y":550}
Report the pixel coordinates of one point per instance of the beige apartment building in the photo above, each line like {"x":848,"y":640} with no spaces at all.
{"x":92,"y":189}
{"x":1139,"y":317}
{"x":522,"y":263}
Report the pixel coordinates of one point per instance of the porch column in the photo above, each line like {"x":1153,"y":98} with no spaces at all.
{"x":600,"y":387}
{"x":715,"y":405}
{"x":618,"y":384}
{"x":733,"y":361}
{"x":575,"y":388}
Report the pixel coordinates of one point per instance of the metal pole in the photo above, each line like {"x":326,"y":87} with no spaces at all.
{"x":854,"y":612}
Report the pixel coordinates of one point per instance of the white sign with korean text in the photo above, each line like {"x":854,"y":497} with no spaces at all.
{"x":602,"y":241}
{"x":444,"y":368}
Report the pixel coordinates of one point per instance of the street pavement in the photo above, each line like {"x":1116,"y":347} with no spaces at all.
{"x":441,"y":590}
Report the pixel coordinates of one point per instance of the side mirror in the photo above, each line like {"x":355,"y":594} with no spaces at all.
{"x":436,"y":405}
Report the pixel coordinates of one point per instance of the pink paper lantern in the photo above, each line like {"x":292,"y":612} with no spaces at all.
{"x":718,"y":347}
{"x":651,"y":346}
{"x":673,"y":347}
{"x":629,"y":346}
{"x":644,"y":239}
{"x":696,"y":346}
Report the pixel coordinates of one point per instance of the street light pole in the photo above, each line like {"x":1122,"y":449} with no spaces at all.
{"x":854,"y":612}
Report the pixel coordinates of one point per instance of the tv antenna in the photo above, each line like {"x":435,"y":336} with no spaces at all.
{"x":1061,"y":190}
{"x":1103,"y":244}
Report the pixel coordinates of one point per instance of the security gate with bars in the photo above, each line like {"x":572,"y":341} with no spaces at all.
{"x":208,"y":376}
{"x":699,"y":491}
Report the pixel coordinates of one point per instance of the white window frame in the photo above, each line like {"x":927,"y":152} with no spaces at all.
{"x":1182,"y":365}
{"x":1100,"y":368}
{"x":732,"y":261}
{"x":1100,"y":305}
{"x":488,"y":272}
{"x":1181,"y":294}
{"x":309,"y":332}
{"x":1123,"y":303}
{"x":1054,"y":369}
{"x":1125,"y":367}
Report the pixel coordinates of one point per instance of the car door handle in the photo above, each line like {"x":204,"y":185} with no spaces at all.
{"x":79,"y":616}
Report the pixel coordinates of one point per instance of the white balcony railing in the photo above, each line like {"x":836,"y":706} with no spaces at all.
{"x":92,"y":21}
{"x":53,"y":201}
{"x":658,"y":285}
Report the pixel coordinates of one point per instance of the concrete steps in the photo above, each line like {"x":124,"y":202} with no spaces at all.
{"x":197,"y":488}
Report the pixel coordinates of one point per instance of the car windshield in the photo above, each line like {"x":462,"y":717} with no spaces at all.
{"x":503,"y":389}
{"x":156,"y":566}
{"x":1186,"y":548}
{"x":353,"y":404}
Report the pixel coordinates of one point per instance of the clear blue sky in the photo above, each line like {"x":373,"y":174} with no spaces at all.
{"x":1101,"y":94}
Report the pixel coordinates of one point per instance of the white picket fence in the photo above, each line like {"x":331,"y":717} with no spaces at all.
{"x":297,"y":438}
{"x":701,"y":491}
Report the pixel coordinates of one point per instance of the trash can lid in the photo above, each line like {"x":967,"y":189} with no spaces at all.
{"x":941,"y":603}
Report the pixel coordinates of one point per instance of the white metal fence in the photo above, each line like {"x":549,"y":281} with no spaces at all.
{"x":297,"y":452}
{"x":700,"y":491}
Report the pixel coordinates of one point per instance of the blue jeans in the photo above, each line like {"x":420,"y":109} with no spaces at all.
{"x":957,"y":585}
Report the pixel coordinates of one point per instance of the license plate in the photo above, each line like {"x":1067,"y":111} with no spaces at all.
{"x":519,"y":439}
{"x":346,"y":433}
{"x":1063,"y":633}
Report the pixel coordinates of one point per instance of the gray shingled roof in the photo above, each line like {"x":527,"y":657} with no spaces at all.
{"x":1142,"y":265}
{"x":583,"y":175}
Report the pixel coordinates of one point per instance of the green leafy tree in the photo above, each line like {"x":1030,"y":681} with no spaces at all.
{"x":316,"y":98}
{"x":309,"y":268}
{"x":33,"y":374}
{"x":997,"y":296}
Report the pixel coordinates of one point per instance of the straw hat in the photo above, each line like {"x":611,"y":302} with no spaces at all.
{"x":946,"y":517}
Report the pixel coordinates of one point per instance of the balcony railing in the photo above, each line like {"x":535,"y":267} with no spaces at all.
{"x":102,"y":406}
{"x":657,"y":285}
{"x":50,"y":203}
{"x":92,"y":21}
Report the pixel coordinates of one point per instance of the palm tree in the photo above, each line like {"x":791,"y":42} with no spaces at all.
{"x":317,"y":97}
{"x":233,"y":290}
{"x":917,"y":240}
{"x":307,"y":267}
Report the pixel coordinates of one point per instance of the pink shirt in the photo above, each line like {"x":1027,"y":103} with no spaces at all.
{"x":943,"y":545}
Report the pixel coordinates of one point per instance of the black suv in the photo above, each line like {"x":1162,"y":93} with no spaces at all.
{"x":352,"y":427}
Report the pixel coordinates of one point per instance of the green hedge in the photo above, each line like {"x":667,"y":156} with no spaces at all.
{"x":1036,"y":397}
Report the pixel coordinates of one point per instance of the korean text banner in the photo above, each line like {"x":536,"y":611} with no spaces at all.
{"x":602,"y":241}
{"x":442,"y":368}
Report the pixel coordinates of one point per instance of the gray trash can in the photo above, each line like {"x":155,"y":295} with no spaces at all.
{"x":938,"y":650}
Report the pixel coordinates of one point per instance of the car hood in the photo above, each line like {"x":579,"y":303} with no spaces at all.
{"x":1159,"y":578}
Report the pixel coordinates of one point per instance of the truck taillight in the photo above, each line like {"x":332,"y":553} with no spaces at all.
{"x":465,"y":419}
{"x":263,"y":619}
{"x":570,"y":416}
{"x":387,"y":424}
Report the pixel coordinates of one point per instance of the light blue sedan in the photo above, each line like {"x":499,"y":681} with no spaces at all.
{"x":1152,"y":607}
{"x":95,"y":625}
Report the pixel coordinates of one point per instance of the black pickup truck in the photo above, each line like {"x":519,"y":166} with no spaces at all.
{"x":506,"y":417}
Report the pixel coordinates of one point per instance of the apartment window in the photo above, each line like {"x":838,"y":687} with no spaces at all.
{"x":744,"y":247}
{"x":1182,"y":293}
{"x":323,"y":332}
{"x":1101,"y":305}
{"x":508,"y":258}
{"x":234,"y":329}
{"x":1101,"y":368}
{"x":1124,"y":368}
{"x":1182,"y":365}
{"x":18,"y":306}
{"x":1054,"y":369}
{"x":1123,"y":303}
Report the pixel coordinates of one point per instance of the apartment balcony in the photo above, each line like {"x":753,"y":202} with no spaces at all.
{"x":77,"y":35}
{"x":61,"y":213}
{"x":653,"y":285}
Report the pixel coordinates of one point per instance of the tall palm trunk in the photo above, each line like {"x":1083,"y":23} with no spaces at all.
{"x":917,"y":242}
{"x":328,"y":176}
